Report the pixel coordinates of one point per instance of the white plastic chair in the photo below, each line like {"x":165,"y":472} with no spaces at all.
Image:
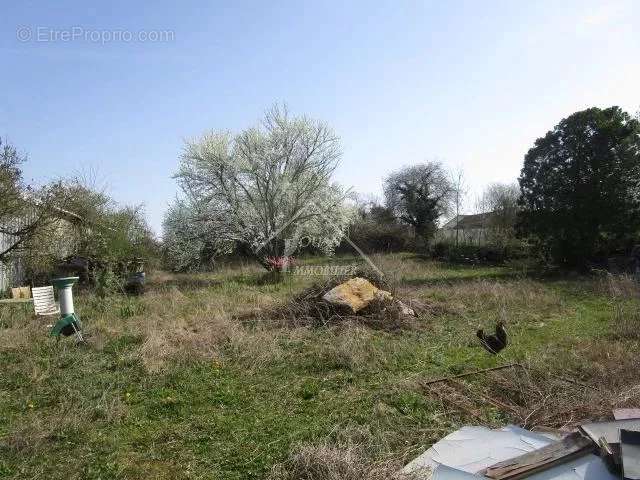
{"x":44,"y":302}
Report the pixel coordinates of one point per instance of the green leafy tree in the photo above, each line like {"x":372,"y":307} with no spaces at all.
{"x":113,"y":238}
{"x":580,"y":186}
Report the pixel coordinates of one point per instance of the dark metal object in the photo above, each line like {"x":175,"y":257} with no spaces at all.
{"x":630,"y":453}
{"x":135,"y":284}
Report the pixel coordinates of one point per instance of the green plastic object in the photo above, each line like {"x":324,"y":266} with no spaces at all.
{"x":67,"y":325}
{"x":64,"y":282}
{"x":69,"y":322}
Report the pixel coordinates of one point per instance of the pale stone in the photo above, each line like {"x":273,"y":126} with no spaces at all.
{"x":356,"y":294}
{"x":405,"y":309}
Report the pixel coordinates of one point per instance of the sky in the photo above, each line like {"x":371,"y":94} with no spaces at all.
{"x":111,"y":90}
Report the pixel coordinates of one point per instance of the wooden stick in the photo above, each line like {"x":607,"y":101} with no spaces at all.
{"x":459,"y":405}
{"x":570,"y":447}
{"x":491,"y":400}
{"x":575,"y":382}
{"x":475,"y":372}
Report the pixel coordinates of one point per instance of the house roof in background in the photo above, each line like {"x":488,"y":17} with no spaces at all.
{"x":478,"y":220}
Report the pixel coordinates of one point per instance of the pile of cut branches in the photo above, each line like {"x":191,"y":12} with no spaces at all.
{"x":309,"y":308}
{"x":530,"y":396}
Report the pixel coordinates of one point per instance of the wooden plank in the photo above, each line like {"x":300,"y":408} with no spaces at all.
{"x":558,"y":432}
{"x":21,"y":292}
{"x":16,"y":301}
{"x":626,"y":413}
{"x":570,"y":447}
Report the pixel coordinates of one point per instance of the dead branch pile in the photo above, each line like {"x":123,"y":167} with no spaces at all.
{"x":308,"y":309}
{"x":533,"y":397}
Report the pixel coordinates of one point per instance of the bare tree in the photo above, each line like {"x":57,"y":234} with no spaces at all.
{"x":267,"y":184}
{"x":419,"y":195}
{"x":459,"y":191}
{"x":22,"y":209}
{"x":501,"y":201}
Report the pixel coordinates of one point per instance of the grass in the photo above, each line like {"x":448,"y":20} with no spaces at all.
{"x":177,"y":384}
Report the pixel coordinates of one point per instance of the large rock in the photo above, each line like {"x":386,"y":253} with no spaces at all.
{"x":356,"y":294}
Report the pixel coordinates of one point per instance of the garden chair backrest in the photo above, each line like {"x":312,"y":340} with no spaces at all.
{"x":44,"y":302}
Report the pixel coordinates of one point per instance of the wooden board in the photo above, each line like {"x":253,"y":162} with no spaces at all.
{"x":570,"y":447}
{"x":626,"y":413}
{"x":15,"y":301}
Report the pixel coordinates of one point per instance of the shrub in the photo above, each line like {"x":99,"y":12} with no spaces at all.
{"x":92,"y":237}
{"x":372,"y":237}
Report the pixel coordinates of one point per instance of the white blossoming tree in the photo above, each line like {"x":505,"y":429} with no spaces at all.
{"x":190,"y":242}
{"x":263,"y":189}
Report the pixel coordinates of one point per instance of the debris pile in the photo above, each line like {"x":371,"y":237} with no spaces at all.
{"x":593,"y":451}
{"x":363,"y":298}
{"x":533,"y":397}
{"x":358,"y":293}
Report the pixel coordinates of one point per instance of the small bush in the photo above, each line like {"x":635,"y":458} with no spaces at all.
{"x":372,"y":237}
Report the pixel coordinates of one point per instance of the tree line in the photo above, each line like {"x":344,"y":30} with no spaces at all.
{"x":577,"y":199}
{"x":68,"y":221}
{"x":268,"y":193}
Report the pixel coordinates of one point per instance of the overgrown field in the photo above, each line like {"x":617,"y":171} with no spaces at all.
{"x":197,"y":379}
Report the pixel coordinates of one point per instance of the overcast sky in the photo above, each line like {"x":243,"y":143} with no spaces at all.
{"x":113,"y":89}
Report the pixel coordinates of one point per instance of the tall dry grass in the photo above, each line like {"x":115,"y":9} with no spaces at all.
{"x":622,"y":286}
{"x":347,"y":455}
{"x":624,"y":291}
{"x":177,"y":327}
